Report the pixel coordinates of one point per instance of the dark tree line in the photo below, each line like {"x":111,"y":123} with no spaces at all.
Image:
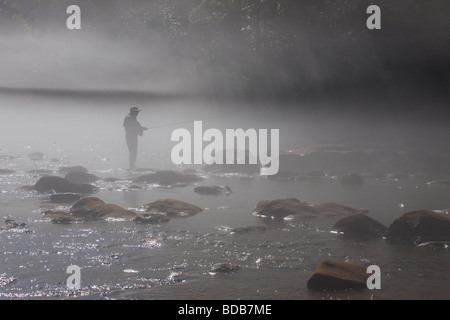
{"x":280,"y":47}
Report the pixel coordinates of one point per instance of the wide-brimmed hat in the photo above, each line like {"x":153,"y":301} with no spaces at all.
{"x":135,"y":109}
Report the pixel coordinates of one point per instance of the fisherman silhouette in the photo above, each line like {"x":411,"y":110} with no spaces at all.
{"x":133,"y":129}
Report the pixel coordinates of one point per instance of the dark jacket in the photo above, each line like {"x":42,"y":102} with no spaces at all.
{"x":132,"y":126}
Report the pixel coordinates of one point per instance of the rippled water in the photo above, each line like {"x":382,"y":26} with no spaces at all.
{"x":123,"y":260}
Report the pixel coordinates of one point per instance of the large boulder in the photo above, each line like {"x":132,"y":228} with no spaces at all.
{"x":416,"y":227}
{"x":168,"y":177}
{"x":212,"y":190}
{"x":173,"y":208}
{"x":80,"y":177}
{"x":333,"y":275}
{"x":359,"y":226}
{"x":61,"y":185}
{"x":96,"y":209}
{"x":281,"y":208}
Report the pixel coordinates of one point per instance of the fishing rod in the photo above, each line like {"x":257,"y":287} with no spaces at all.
{"x":176,"y":123}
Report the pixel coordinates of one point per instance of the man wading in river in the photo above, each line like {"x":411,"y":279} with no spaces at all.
{"x":133,"y":129}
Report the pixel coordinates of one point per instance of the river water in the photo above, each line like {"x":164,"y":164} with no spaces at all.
{"x":123,"y":260}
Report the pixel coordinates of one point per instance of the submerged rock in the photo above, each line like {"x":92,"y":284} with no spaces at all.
{"x":173,"y":208}
{"x":12,"y":224}
{"x":94,"y":208}
{"x":240,"y":230}
{"x":353,"y":179}
{"x":81,"y":177}
{"x":73,"y":169}
{"x":224,"y":268}
{"x":422,"y":226}
{"x":168,"y":177}
{"x":359,"y":226}
{"x":61,"y":185}
{"x":151,"y":218}
{"x":63,"y":217}
{"x":64,"y":197}
{"x":212,"y":190}
{"x":281,"y":208}
{"x":333,"y":275}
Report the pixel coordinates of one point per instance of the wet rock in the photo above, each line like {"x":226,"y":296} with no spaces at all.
{"x":241,"y":230}
{"x":281,"y":208}
{"x":80,"y":177}
{"x":73,"y":169}
{"x":61,"y":185}
{"x":12,"y":224}
{"x":336,"y":275}
{"x":151,"y":218}
{"x":173,"y":208}
{"x":64,"y":197}
{"x":168,"y":177}
{"x":248,"y":229}
{"x":353,"y":179}
{"x":444,"y":182}
{"x":422,"y":226}
{"x":224,"y":268}
{"x":62,"y":217}
{"x":94,"y":208}
{"x":359,"y":226}
{"x":212,"y":190}
{"x":7,"y":171}
{"x":36,"y":156}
